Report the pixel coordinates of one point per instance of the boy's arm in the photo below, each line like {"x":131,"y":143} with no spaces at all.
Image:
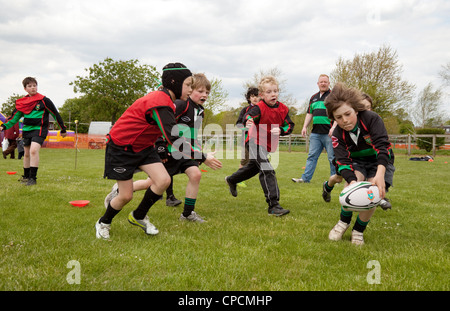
{"x":54,"y":112}
{"x":252,"y":116}
{"x":15,"y":117}
{"x":287,"y":127}
{"x":165,"y":119}
{"x":342,"y":155}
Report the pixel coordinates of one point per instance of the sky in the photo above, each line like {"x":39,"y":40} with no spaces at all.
{"x":231,"y":40}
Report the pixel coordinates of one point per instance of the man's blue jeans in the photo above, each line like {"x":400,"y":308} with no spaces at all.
{"x":316,"y":144}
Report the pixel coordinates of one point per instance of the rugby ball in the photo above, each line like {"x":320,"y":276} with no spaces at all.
{"x":359,"y":196}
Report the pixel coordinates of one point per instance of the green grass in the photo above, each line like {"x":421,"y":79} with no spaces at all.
{"x":239,"y":248}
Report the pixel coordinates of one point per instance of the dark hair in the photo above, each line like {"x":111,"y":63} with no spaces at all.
{"x":341,"y":94}
{"x":251,"y":91}
{"x":28,"y":80}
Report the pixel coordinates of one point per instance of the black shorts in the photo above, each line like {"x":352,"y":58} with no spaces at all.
{"x":174,"y":167}
{"x":369,"y":170}
{"x":121,"y":163}
{"x":32,"y":136}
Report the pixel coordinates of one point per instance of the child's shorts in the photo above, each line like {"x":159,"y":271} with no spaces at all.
{"x":32,"y":136}
{"x":369,"y":170}
{"x":174,"y":166}
{"x":121,"y":163}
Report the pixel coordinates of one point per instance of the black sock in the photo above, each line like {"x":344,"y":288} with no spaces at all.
{"x":26,"y":172}
{"x":328,"y":188}
{"x":149,"y":199}
{"x":33,"y":172}
{"x":360,"y":225}
{"x":189,"y":205}
{"x":346,"y":216}
{"x":109,"y":215}
{"x":169,"y":190}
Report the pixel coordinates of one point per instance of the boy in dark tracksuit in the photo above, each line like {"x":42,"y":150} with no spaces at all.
{"x":35,"y":109}
{"x":267,"y":121}
{"x":362,"y":150}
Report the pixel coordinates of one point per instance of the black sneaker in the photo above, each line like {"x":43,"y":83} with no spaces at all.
{"x":385,"y":204}
{"x":277,"y":210}
{"x":31,"y":182}
{"x":172,"y":201}
{"x":232,"y":187}
{"x":325,"y":194}
{"x":23,"y":179}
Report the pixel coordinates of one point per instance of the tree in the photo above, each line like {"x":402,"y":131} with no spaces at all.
{"x":9,"y":105}
{"x":216,"y":99}
{"x":426,"y":109}
{"x":112,"y":86}
{"x":379,"y":75}
{"x":445,"y":74}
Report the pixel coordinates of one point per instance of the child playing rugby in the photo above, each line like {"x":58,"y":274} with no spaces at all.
{"x":35,"y":110}
{"x":131,"y":146}
{"x":362,"y":150}
{"x":328,"y":185}
{"x":266,"y":122}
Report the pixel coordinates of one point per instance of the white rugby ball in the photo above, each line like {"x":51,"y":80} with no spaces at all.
{"x":359,"y":196}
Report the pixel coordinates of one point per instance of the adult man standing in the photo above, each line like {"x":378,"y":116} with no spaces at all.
{"x":321,"y":131}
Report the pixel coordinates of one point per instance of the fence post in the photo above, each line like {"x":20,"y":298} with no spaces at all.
{"x":409,"y":144}
{"x":289,"y":143}
{"x":434,"y":145}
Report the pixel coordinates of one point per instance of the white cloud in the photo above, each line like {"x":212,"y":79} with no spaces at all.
{"x":230,"y":40}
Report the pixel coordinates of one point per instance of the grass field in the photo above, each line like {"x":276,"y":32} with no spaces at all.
{"x":240,"y":248}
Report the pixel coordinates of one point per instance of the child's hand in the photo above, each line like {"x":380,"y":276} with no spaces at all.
{"x":212,"y":162}
{"x":249,"y":123}
{"x":275,"y":131}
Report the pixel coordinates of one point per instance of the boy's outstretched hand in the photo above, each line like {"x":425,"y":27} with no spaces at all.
{"x":212,"y":162}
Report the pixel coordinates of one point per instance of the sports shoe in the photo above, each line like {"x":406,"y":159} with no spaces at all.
{"x":102,"y":230}
{"x":299,"y":180}
{"x":277,"y":210}
{"x":325,"y":194}
{"x":232,"y":187}
{"x":385,"y":204}
{"x":114,"y":192}
{"x":31,"y":182}
{"x":23,"y":179}
{"x":338,"y":231}
{"x":172,"y":201}
{"x":144,"y":224}
{"x":194,"y":217}
{"x":357,"y":238}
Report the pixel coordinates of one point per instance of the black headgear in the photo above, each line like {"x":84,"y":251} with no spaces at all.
{"x":173,"y":77}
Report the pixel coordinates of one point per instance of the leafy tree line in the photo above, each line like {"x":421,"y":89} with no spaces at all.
{"x":110,"y":87}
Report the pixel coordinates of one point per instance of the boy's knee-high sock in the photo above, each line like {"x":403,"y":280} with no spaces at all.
{"x":189,"y":205}
{"x":26,"y":172}
{"x":346,"y":216}
{"x":33,"y":172}
{"x":109,"y":215}
{"x":149,"y":199}
{"x":360,"y":225}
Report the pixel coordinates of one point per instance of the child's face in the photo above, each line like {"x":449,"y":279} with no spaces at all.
{"x":31,"y":89}
{"x":270,"y":94}
{"x":187,"y":88}
{"x":346,"y":117}
{"x":199,"y":95}
{"x":254,"y":99}
{"x":367,"y":104}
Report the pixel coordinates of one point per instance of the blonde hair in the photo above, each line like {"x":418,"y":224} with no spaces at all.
{"x":340,"y":95}
{"x":200,"y":80}
{"x":264,"y":80}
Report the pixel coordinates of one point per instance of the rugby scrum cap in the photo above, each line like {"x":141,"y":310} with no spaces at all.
{"x":173,"y":77}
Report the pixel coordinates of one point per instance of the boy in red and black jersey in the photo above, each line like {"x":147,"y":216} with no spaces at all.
{"x":131,"y":146}
{"x":35,"y":109}
{"x":266,"y":122}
